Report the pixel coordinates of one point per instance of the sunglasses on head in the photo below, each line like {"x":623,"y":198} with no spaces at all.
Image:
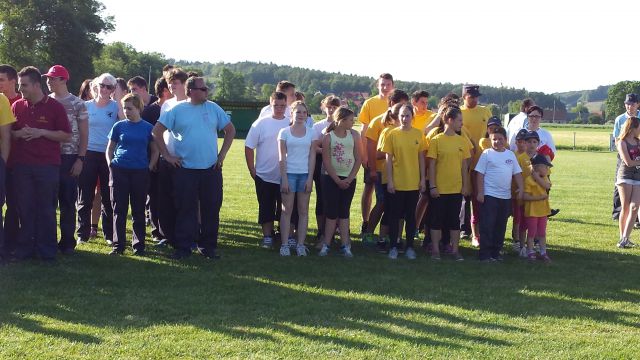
{"x":110,"y":87}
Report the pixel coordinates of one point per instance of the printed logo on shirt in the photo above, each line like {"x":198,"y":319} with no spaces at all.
{"x":508,"y":161}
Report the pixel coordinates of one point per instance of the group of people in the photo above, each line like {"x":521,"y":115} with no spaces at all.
{"x":117,"y":141}
{"x":158,"y":155}
{"x":423,"y":167}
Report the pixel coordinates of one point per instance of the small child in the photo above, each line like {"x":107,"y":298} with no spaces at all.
{"x":496,"y":168}
{"x":526,"y":145}
{"x":536,"y":206}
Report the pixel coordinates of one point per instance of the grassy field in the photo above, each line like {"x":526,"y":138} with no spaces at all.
{"x":594,"y":139}
{"x":254,"y":304}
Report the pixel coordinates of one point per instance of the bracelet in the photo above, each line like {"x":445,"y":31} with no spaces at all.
{"x":433,"y":187}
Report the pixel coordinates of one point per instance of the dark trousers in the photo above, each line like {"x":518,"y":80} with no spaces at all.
{"x":494,"y":213}
{"x":269,"y":201}
{"x":617,"y":205}
{"x":94,"y":168}
{"x":128,"y":184}
{"x":11,"y":223}
{"x":202,"y":187}
{"x":152,"y":206}
{"x":67,"y":197}
{"x":3,"y":178}
{"x":402,"y":205}
{"x":36,"y":199}
{"x":166,"y":203}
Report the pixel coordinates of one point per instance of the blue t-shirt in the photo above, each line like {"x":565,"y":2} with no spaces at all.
{"x":619,"y":124}
{"x":101,"y":120}
{"x":132,"y":143}
{"x":194,"y":129}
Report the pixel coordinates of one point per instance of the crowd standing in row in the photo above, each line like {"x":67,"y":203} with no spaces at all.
{"x":430,"y":171}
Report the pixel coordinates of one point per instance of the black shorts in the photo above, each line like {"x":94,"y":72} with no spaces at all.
{"x":268,"y":201}
{"x":445,"y":212}
{"x":337,"y":202}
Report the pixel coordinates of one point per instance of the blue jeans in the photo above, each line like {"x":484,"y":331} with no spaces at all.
{"x":67,"y":197}
{"x":494,"y":213}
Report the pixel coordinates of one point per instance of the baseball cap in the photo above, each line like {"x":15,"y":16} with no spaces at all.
{"x":471,"y":89}
{"x":494,"y":120}
{"x":57,"y":71}
{"x":631,"y":98}
{"x":532,"y":135}
{"x":521,"y":134}
{"x":538,"y":159}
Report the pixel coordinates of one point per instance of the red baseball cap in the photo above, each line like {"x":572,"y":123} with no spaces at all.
{"x":58,"y":71}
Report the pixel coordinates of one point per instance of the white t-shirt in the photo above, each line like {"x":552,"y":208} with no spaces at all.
{"x":168,"y":137}
{"x":498,"y":168}
{"x":546,"y":139}
{"x":297,"y":150}
{"x":320,"y":127}
{"x":267,"y":111}
{"x":263,"y":137}
{"x":518,"y":122}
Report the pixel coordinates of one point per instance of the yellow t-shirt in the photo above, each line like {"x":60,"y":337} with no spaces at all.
{"x":371,"y":108}
{"x":420,"y":121}
{"x":524,"y":161}
{"x":475,"y":121}
{"x":449,"y":152}
{"x":484,"y":144}
{"x":6,"y":115}
{"x":374,"y":132}
{"x":406,"y":148}
{"x":380,"y":163}
{"x":537,"y":208}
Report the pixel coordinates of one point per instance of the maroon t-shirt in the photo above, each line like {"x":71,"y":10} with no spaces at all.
{"x":18,"y":97}
{"x":47,"y":114}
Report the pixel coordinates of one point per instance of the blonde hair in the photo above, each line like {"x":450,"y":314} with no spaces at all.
{"x":631,"y":123}
{"x":133,"y":99}
{"x":341,"y":114}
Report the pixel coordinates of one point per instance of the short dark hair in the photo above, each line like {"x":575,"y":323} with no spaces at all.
{"x":284,"y":85}
{"x":419,"y":94}
{"x":526,"y":103}
{"x":386,"y":76}
{"x":177,"y":74}
{"x":160,"y":86}
{"x":278,"y":95}
{"x":533,"y":108}
{"x":121,"y":84}
{"x":9,"y":70}
{"x":500,"y":130}
{"x":397,"y":96}
{"x":32,"y":73}
{"x":300,"y":96}
{"x":138,"y":81}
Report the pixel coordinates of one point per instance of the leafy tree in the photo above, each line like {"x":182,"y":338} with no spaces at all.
{"x":514,"y":106}
{"x":595,"y":119}
{"x":614,"y":105}
{"x":581,"y":109}
{"x":44,"y":33}
{"x":495,"y":109}
{"x":266,"y":90}
{"x":230,"y":86}
{"x":122,"y":60}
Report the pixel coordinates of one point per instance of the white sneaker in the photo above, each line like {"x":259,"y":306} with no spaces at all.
{"x":393,"y":253}
{"x":284,"y":250}
{"x":523,"y":252}
{"x":410,"y":254}
{"x":346,"y":251}
{"x":516,"y":247}
{"x":324,"y":251}
{"x":267,"y":242}
{"x":475,"y":242}
{"x":293,"y":242}
{"x":301,"y":250}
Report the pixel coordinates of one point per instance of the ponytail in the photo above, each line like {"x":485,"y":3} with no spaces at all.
{"x":332,"y":126}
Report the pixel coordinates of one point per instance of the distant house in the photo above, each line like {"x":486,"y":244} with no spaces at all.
{"x":354,"y":97}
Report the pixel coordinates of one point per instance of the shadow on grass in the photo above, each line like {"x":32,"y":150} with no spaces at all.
{"x":254,"y":294}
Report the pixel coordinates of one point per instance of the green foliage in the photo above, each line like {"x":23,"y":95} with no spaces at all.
{"x":266,"y":90}
{"x":44,"y":33}
{"x":514,"y":106}
{"x":595,"y":119}
{"x":495,"y":109}
{"x":614,"y":105}
{"x":230,"y":85}
{"x":122,"y":60}
{"x":580,"y":109}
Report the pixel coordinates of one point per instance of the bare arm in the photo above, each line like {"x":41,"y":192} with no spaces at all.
{"x":371,"y":156}
{"x":520,"y":184}
{"x":5,"y":141}
{"x":433,"y":187}
{"x":357,"y":155}
{"x":229,"y":134}
{"x":308,"y":186}
{"x":326,"y":158}
{"x":365,"y":145}
{"x":624,"y":154}
{"x":53,"y":135}
{"x":111,"y":147}
{"x":388,"y":167}
{"x":466,"y":185}
{"x":157,"y":132}
{"x":249,"y":156}
{"x":83,"y":132}
{"x":423,"y":181}
{"x":154,"y":154}
{"x":282,"y":156}
{"x":480,"y":187}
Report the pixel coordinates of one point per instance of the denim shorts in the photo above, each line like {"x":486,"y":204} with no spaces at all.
{"x":297,"y":181}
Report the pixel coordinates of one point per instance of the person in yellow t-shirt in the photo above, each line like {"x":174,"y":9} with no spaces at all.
{"x":387,"y":121}
{"x":404,"y":165}
{"x":519,"y":229}
{"x":448,"y":157}
{"x":474,"y":121}
{"x":372,"y":107}
{"x":536,"y":206}
{"x":6,"y":120}
{"x":420,"y":103}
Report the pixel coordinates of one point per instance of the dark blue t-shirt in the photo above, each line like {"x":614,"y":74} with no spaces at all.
{"x":132,"y":143}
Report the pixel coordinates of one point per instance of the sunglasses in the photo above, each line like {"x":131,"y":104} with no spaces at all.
{"x":110,"y":87}
{"x":205,"y":89}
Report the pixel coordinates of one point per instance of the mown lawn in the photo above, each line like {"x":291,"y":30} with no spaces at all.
{"x":254,"y":304}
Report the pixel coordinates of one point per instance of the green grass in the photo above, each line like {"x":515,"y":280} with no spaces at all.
{"x":254,"y":304}
{"x":591,"y":139}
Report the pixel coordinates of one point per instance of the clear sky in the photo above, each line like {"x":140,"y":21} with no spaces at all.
{"x":539,"y":45}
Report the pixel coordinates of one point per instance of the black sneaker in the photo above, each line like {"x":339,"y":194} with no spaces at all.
{"x":139,"y":252}
{"x":116,"y":252}
{"x":381,"y":247}
{"x":554,"y":212}
{"x":363,"y":227}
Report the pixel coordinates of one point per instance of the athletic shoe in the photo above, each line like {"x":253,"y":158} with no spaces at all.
{"x":292,"y":242}
{"x":161,"y":243}
{"x":516,"y":247}
{"x":458,"y":257}
{"x":465,"y":235}
{"x":109,"y":242}
{"x":435,"y":257}
{"x":393,"y":253}
{"x":625,"y":243}
{"x":138,"y":252}
{"x":532,"y":257}
{"x":116,"y":252}
{"x":545,"y":258}
{"x":475,"y":242}
{"x":410,"y":254}
{"x":346,"y":251}
{"x":93,"y":233}
{"x":285,"y":251}
{"x":267,"y":242}
{"x":523,"y":252}
{"x":554,"y":212}
{"x":381,"y":246}
{"x":363,"y":227}
{"x":630,"y":244}
{"x":81,"y":241}
{"x":301,"y":250}
{"x":498,"y":258}
{"x":368,"y":239}
{"x":324,"y":251}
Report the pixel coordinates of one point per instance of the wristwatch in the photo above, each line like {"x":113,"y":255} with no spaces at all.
{"x":81,"y":158}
